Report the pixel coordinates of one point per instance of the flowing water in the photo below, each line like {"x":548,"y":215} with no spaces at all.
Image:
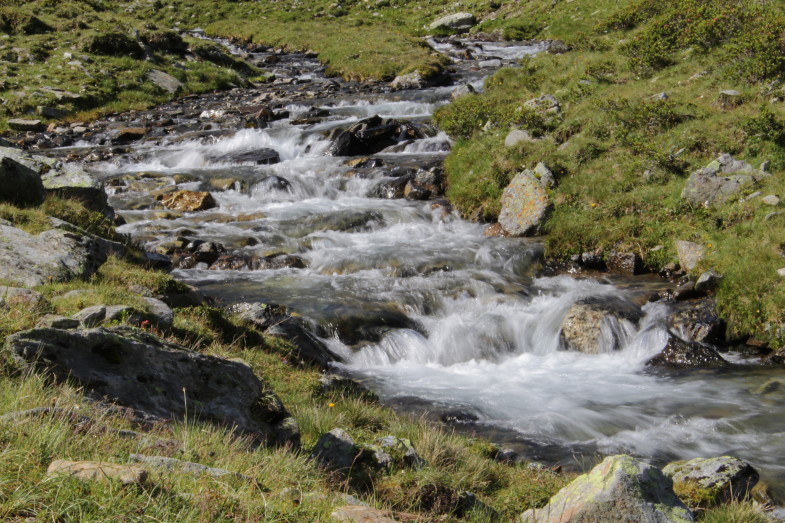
{"x":450,"y":321}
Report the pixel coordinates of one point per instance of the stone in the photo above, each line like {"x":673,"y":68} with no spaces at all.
{"x":53,"y":113}
{"x":308,"y":348}
{"x":260,"y":156}
{"x":189,"y":201}
{"x":335,"y":385}
{"x":360,"y":514}
{"x":708,"y":281}
{"x":184,"y":467}
{"x":458,"y":22}
{"x":17,"y":124}
{"x":55,"y":321}
{"x":128,"y":135}
{"x":719,"y":181}
{"x":52,"y":256}
{"x":679,"y":354}
{"x":463,"y":90}
{"x":517,"y":137}
{"x":165,"y":81}
{"x":14,"y":296}
{"x":624,"y":262}
{"x":771,"y":199}
{"x":545,"y":103}
{"x":371,"y":135}
{"x":620,"y":489}
{"x":158,"y":378}
{"x":159,"y":313}
{"x":98,"y":471}
{"x":707,"y":482}
{"x":690,"y":254}
{"x":335,"y":450}
{"x":401,"y":451}
{"x":525,"y":205}
{"x":599,"y":324}
{"x":494,"y":63}
{"x":91,"y":316}
{"x":697,"y":321}
{"x":19,"y":185}
{"x":413,"y":80}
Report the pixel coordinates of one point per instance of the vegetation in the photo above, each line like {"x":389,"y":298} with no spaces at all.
{"x":642,"y":108}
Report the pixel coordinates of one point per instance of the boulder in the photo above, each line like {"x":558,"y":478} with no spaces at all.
{"x":599,"y":324}
{"x":54,"y":255}
{"x":517,"y":137}
{"x":413,"y":80}
{"x":335,"y":450}
{"x":546,"y":104}
{"x":624,"y":262}
{"x":708,"y":281}
{"x":690,"y":254}
{"x":91,"y":316}
{"x":719,"y":181}
{"x":458,"y":22}
{"x":620,"y":489}
{"x":697,"y":320}
{"x":525,"y":205}
{"x":19,"y":185}
{"x":159,"y":313}
{"x":371,"y":135}
{"x":308,"y":348}
{"x":189,"y":201}
{"x":98,"y":471}
{"x":157,"y":378}
{"x":164,"y":81}
{"x":23,"y":126}
{"x":361,"y":514}
{"x":706,"y":482}
{"x":679,"y":354}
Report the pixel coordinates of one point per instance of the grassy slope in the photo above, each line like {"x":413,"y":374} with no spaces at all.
{"x":623,"y":156}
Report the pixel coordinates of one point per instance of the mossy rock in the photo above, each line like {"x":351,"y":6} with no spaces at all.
{"x":707,"y":482}
{"x":15,"y":22}
{"x":164,"y":41}
{"x":112,"y":43}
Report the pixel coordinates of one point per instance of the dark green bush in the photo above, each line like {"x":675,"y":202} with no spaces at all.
{"x":113,"y":43}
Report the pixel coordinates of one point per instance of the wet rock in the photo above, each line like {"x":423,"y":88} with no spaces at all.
{"x":690,"y":254}
{"x":260,"y":315}
{"x":189,"y":201}
{"x":13,"y":296}
{"x":98,"y":471}
{"x":620,"y":489}
{"x":165,"y":81}
{"x":599,"y":324}
{"x":54,"y":255}
{"x":273,"y":183}
{"x":679,"y":354}
{"x":707,"y":282}
{"x":458,"y":22}
{"x":19,"y":185}
{"x":308,"y":348}
{"x":624,"y":262}
{"x":720,"y":180}
{"x":686,"y":291}
{"x":228,"y":184}
{"x":698,"y":321}
{"x":525,"y":205}
{"x":238,"y":262}
{"x":334,"y":385}
{"x":261,"y":156}
{"x":495,"y":230}
{"x":129,"y":134}
{"x":150,"y":375}
{"x":371,"y":135}
{"x":345,"y":221}
{"x":707,"y":482}
{"x":394,"y":188}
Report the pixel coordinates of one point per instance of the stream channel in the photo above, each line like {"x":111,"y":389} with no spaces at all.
{"x":420,"y":305}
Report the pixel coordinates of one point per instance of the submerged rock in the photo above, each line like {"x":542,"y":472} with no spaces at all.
{"x":189,"y":201}
{"x":620,"y":489}
{"x":599,"y":324}
{"x":706,"y":482}
{"x":158,"y":378}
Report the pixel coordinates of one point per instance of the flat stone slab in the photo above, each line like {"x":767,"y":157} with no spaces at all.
{"x":98,"y":471}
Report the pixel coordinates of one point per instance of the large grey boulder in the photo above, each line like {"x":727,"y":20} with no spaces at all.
{"x":525,"y":204}
{"x":157,"y":378}
{"x":54,"y":255}
{"x":690,"y":254}
{"x":19,"y":185}
{"x":458,"y":22}
{"x":64,"y":179}
{"x":165,"y":81}
{"x":706,"y":482}
{"x":719,"y":181}
{"x":620,"y":489}
{"x":599,"y":324}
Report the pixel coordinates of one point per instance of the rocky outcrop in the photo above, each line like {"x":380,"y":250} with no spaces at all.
{"x":458,"y":22}
{"x":525,"y":203}
{"x":720,"y":180}
{"x":706,"y":482}
{"x":54,"y":255}
{"x":157,"y":378}
{"x":679,"y":354}
{"x":620,"y":489}
{"x":599,"y":324}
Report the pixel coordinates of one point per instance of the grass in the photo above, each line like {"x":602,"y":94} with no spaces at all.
{"x":622,"y":154}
